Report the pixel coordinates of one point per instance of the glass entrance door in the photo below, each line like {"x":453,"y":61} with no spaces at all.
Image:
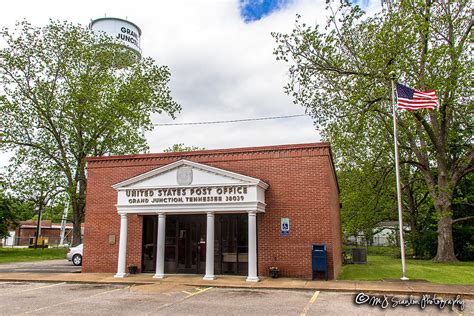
{"x":191,"y":244}
{"x":150,"y":226}
{"x":231,"y":255}
{"x":185,"y":244}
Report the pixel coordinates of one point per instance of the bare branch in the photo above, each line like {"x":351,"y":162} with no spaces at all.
{"x":462,"y":219}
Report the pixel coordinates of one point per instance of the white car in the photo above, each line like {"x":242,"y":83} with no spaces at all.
{"x":74,"y":254}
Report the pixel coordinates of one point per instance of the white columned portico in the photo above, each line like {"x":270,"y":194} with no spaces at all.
{"x":187,"y":187}
{"x":252,"y":276}
{"x":122,"y":255}
{"x":210,"y":247}
{"x":160,"y":249}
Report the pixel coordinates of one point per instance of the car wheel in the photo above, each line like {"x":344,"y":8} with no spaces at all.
{"x":77,"y":260}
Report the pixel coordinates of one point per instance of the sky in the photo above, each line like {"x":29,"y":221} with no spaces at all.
{"x":220,"y":54}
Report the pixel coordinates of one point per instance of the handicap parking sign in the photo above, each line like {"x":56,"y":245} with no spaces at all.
{"x":285,"y":226}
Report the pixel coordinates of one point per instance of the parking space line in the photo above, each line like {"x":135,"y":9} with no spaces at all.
{"x":199,"y":291}
{"x":41,"y":287}
{"x":105,"y":292}
{"x":457,"y":312}
{"x":311,"y":302}
{"x":69,"y":302}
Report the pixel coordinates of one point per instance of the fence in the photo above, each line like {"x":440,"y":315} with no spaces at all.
{"x":378,"y":240}
{"x":50,"y":241}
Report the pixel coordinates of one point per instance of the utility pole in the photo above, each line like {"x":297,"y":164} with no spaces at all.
{"x":63,"y":223}
{"x":38,"y":225}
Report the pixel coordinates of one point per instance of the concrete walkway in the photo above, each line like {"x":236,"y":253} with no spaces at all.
{"x":389,"y":287}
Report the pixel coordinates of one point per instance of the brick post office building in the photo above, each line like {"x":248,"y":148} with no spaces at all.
{"x":213,"y":212}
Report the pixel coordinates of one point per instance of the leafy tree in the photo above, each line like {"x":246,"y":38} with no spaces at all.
{"x":181,"y":148}
{"x":41,"y":185}
{"x":67,"y":94}
{"x":364,"y":174}
{"x":365,"y":202}
{"x":419,"y":213}
{"x":342,"y":76}
{"x":8,"y":217}
{"x":464,"y":230}
{"x":24,"y":210}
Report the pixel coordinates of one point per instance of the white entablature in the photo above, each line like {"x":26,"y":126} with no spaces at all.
{"x":189,"y":187}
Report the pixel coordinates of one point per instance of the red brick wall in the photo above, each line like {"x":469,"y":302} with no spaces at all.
{"x":23,"y":235}
{"x":302,"y":187}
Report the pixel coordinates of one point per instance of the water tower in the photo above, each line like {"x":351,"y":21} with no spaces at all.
{"x":122,"y":31}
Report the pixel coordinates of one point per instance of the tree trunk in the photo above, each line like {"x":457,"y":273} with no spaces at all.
{"x":445,"y":252}
{"x":78,"y":206}
{"x":78,"y":199}
{"x":443,"y":197}
{"x":76,"y":224}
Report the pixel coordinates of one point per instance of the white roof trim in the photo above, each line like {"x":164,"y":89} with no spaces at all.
{"x":196,"y":165}
{"x":193,"y":209}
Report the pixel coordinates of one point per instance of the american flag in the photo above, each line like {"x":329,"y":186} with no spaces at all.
{"x":411,"y":99}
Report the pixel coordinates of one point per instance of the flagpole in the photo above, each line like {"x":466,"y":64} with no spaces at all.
{"x":397,"y":172}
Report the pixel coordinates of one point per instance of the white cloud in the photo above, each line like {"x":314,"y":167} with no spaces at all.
{"x":221,"y":68}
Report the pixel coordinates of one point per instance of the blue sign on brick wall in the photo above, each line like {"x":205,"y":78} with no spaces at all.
{"x":285,"y":226}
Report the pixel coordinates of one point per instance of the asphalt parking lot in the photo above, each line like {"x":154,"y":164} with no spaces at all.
{"x":18,"y":298}
{"x":45,"y":266}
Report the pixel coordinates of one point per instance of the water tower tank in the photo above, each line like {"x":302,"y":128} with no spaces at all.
{"x":123,"y":31}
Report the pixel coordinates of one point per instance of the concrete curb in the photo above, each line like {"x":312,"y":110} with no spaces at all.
{"x":381,"y":287}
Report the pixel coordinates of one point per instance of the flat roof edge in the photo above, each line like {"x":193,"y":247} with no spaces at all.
{"x":212,"y":152}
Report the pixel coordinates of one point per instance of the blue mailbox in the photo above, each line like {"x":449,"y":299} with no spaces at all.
{"x":320,"y":260}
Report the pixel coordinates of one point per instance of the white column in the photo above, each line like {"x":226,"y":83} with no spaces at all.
{"x":210,"y":247}
{"x":122,"y":255}
{"x":252,"y":276}
{"x":160,"y":249}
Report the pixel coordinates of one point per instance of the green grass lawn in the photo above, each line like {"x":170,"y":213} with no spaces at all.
{"x":387,"y":267}
{"x":31,"y":254}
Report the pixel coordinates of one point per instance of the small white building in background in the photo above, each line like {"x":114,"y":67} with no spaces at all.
{"x":8,"y":241}
{"x":386,"y":234}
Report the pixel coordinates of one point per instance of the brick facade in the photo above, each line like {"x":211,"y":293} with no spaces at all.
{"x":302,"y":187}
{"x":27,"y":230}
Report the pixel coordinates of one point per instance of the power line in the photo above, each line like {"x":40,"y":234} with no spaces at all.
{"x":231,"y":121}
